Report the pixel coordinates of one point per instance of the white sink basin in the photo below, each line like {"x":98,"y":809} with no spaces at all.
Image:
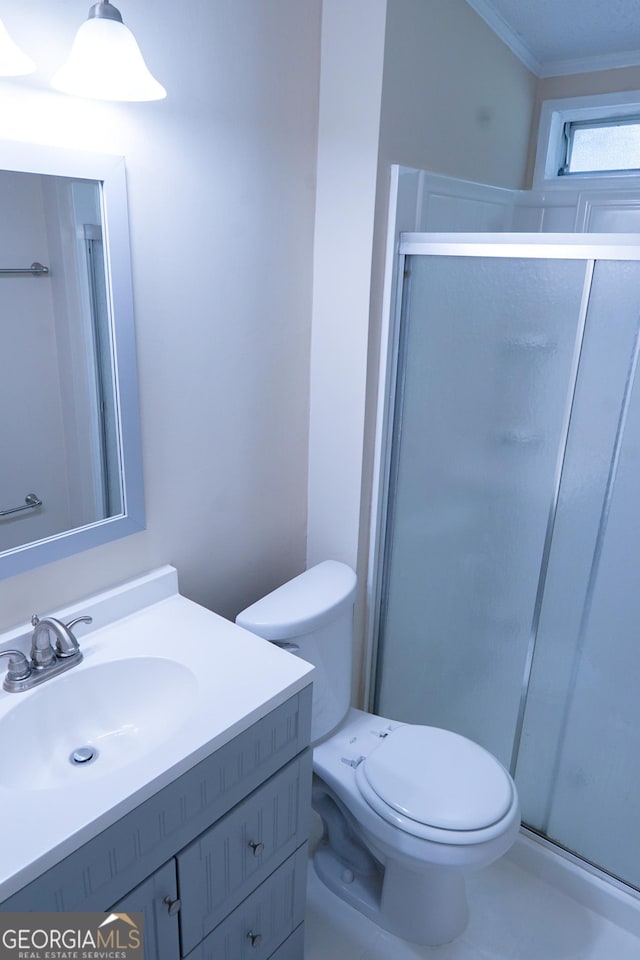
{"x":119,"y":708}
{"x":163,"y":684}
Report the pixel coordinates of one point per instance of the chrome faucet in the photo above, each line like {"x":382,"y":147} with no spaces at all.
{"x":47,"y":659}
{"x":42,"y":650}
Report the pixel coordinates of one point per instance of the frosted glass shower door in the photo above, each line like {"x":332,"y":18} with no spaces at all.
{"x":578,"y":769}
{"x":489,"y":352}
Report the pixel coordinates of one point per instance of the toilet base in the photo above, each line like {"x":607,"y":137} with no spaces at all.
{"x":429,"y":907}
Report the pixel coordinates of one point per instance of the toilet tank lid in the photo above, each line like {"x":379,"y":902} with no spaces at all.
{"x":302,"y":604}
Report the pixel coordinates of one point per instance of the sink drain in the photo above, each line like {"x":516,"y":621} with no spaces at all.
{"x":83,"y":755}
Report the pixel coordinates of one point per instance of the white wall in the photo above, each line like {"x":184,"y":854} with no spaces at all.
{"x":350,"y":93}
{"x":221,"y":181}
{"x":456,"y":100}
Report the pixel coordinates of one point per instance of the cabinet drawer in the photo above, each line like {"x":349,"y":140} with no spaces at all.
{"x":223,"y":866}
{"x":160,"y":937}
{"x":263,"y":921}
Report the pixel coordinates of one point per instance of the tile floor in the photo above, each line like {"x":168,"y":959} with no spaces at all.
{"x":514,"y":916}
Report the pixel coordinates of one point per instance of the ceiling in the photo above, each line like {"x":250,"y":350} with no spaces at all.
{"x":557,"y":37}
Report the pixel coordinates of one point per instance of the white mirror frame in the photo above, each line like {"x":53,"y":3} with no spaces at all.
{"x":110,"y":172}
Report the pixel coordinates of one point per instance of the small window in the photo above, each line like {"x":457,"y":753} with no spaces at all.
{"x":605,"y":146}
{"x":596,"y":136}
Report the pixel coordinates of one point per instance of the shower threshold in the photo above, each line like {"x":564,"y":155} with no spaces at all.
{"x":579,"y":879}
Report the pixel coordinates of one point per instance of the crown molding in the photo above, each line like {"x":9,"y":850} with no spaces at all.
{"x":601,"y":61}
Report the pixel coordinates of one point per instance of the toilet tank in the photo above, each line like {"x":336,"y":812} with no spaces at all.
{"x":314,"y":611}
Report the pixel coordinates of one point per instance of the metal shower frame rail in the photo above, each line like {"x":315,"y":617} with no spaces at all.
{"x":543,"y":246}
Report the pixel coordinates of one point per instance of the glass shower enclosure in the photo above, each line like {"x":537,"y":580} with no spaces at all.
{"x":510,"y":587}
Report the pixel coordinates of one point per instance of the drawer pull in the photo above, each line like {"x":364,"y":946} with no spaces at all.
{"x":257,"y":848}
{"x":255,"y":938}
{"x":173,"y":906}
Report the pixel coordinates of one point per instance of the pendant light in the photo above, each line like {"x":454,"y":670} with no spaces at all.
{"x":105,"y":62}
{"x":13,"y":62}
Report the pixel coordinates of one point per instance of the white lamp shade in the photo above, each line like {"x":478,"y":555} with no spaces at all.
{"x":105,"y":63}
{"x":13,"y":62}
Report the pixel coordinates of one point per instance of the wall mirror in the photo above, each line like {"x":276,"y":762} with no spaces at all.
{"x":70,"y":467}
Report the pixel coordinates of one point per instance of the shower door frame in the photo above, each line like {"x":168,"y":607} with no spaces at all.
{"x":586,"y":247}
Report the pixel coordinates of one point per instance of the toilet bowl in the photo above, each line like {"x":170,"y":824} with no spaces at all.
{"x":405,"y":808}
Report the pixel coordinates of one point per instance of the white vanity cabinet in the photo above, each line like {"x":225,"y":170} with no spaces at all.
{"x":216,"y":860}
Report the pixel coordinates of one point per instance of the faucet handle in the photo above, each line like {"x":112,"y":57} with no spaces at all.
{"x":19,"y":668}
{"x":72,"y":623}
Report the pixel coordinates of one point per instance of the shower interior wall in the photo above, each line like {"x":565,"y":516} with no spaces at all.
{"x":428,"y":202}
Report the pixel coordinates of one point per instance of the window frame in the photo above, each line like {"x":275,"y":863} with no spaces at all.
{"x":551,"y":147}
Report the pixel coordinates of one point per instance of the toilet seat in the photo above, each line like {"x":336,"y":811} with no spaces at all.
{"x":436,"y":784}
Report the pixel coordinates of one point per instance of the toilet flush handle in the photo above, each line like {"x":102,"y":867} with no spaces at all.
{"x":285,"y":645}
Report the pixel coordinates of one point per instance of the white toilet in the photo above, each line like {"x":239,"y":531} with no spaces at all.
{"x":405,"y":808}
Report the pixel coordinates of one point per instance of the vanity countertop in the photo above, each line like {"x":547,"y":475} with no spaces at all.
{"x":164,"y":683}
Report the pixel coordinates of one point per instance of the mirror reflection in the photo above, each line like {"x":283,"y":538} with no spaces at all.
{"x":60,"y":467}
